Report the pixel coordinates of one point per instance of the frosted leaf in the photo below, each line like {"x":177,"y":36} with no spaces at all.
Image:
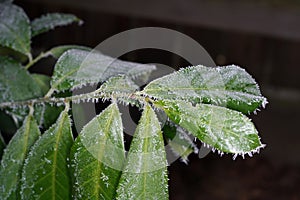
{"x":46,"y":164}
{"x":16,"y":83}
{"x":50,"y":21}
{"x":97,"y":156}
{"x":119,"y":84}
{"x":56,"y":52}
{"x":15,"y":30}
{"x":76,"y":68}
{"x":14,"y":156}
{"x":145,"y":172}
{"x":229,"y":86}
{"x":224,"y":129}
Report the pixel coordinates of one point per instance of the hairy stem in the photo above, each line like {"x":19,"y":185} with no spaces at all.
{"x":93,"y":96}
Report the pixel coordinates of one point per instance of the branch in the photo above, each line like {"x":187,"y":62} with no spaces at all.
{"x":92,"y":96}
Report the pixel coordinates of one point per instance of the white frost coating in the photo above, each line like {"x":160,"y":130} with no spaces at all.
{"x":105,"y":130}
{"x":76,"y":68}
{"x":250,"y":153}
{"x":145,"y":173}
{"x":229,"y":86}
{"x":224,"y":129}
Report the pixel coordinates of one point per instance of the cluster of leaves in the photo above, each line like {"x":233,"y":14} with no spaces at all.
{"x":208,"y":103}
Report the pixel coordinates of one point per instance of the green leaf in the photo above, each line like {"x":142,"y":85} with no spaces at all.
{"x":5,"y":51}
{"x":43,"y":82}
{"x":120,"y":86}
{"x":2,"y":145}
{"x":98,"y":155}
{"x":76,"y":68}
{"x":229,"y":86}
{"x":16,"y":84}
{"x":50,"y":21}
{"x":179,"y":141}
{"x":56,"y":52}
{"x":14,"y":156}
{"x":45,"y":172}
{"x":224,"y":129}
{"x":145,"y":172}
{"x":15,"y":30}
{"x":46,"y":114}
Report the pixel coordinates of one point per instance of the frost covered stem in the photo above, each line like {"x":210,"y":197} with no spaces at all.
{"x":36,"y":59}
{"x":76,"y":99}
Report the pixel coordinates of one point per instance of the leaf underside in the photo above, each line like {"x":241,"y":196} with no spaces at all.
{"x":14,"y":156}
{"x":229,"y":86}
{"x":180,"y":143}
{"x":98,"y":155}
{"x":45,"y":173}
{"x":145,"y":173}
{"x":224,"y":129}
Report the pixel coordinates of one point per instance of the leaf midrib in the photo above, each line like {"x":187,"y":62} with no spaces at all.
{"x":101,"y":153}
{"x":200,"y":89}
{"x":54,"y":166}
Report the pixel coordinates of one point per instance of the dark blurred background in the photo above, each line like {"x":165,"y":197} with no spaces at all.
{"x":262,"y":36}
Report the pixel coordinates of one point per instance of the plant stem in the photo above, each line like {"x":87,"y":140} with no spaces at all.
{"x":94,"y":96}
{"x":49,"y":93}
{"x":36,"y":59}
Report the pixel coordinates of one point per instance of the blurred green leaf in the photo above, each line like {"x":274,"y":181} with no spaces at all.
{"x":98,"y":155}
{"x":50,"y":21}
{"x":179,"y":141}
{"x":2,"y":145}
{"x":15,"y":30}
{"x":145,"y":172}
{"x":224,"y":129}
{"x":43,"y":81}
{"x":45,"y":173}
{"x":14,"y":156}
{"x":5,"y":51}
{"x":229,"y":86}
{"x":46,"y":114}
